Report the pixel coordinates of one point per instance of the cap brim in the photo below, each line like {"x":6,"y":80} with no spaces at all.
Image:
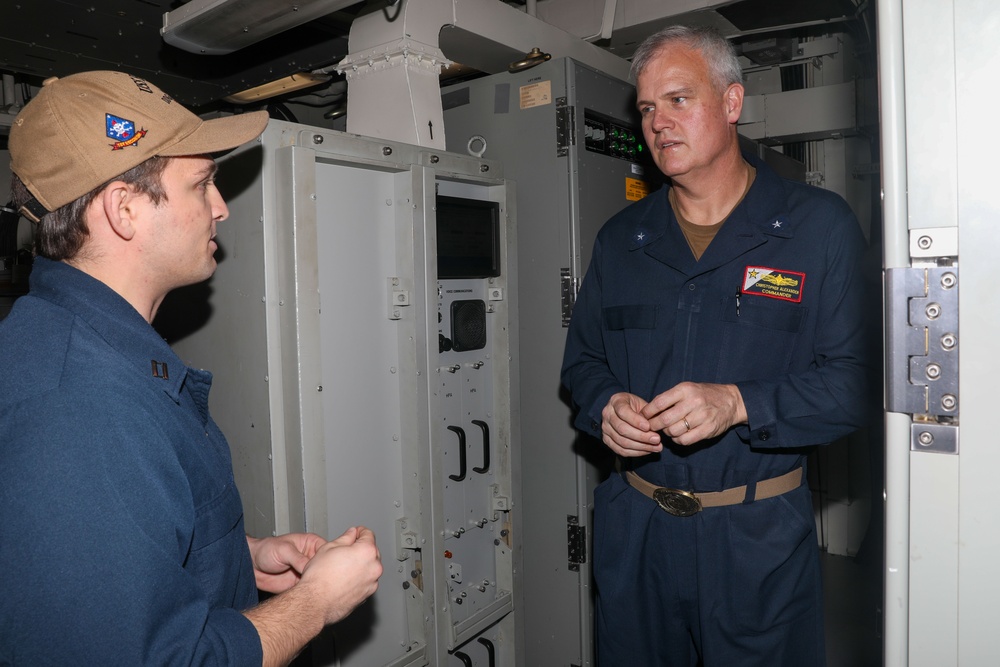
{"x":217,"y":135}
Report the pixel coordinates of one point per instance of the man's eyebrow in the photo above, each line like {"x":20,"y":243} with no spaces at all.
{"x":208,"y":171}
{"x":685,"y":91}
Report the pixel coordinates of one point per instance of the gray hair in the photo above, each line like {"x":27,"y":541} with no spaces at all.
{"x":716,"y":49}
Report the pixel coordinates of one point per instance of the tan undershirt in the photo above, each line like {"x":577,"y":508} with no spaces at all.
{"x":699,"y":236}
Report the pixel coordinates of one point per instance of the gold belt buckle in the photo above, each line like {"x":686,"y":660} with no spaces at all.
{"x":677,"y":502}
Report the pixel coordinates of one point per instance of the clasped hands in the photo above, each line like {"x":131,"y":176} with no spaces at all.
{"x":348,"y":562}
{"x":686,"y":413}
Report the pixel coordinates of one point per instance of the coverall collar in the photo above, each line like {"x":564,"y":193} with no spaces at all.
{"x":111,"y":317}
{"x":757,"y":218}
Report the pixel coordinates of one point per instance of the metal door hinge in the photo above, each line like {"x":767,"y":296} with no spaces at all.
{"x":576,"y":542}
{"x":407,"y":539}
{"x":565,"y":127}
{"x":398,"y":297}
{"x":567,"y":288}
{"x":922,"y":359}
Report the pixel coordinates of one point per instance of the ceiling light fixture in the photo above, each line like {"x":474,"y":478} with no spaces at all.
{"x":288,"y":84}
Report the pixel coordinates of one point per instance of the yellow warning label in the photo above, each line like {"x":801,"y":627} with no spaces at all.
{"x":536,"y":94}
{"x":635,"y":189}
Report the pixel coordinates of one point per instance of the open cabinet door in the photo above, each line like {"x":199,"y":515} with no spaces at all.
{"x":937,"y":60}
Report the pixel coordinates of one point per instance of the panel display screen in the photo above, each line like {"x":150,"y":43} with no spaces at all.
{"x":468,"y":238}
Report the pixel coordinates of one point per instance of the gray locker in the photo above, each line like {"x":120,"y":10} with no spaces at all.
{"x":356,"y":386}
{"x":570,"y":138}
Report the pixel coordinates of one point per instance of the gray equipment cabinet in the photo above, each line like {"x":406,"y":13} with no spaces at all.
{"x":356,"y":386}
{"x":570,"y":137}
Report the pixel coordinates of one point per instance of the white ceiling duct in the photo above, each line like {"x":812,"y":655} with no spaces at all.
{"x":217,"y":27}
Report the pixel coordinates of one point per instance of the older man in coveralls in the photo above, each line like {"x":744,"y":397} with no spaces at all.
{"x":717,"y":336}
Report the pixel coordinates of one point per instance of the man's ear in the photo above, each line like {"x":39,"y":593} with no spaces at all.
{"x":734,"y":102}
{"x":118,"y":202}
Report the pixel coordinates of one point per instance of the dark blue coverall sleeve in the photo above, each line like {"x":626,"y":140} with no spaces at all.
{"x":829,"y":397}
{"x":586,"y":368}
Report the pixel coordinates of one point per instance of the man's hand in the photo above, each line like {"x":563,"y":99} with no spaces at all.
{"x":691,"y":412}
{"x":344,"y":572}
{"x":341,"y":574}
{"x":278,"y":562}
{"x":626,"y":431}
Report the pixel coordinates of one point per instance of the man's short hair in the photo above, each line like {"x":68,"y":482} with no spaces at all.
{"x":716,"y":49}
{"x":60,"y":235}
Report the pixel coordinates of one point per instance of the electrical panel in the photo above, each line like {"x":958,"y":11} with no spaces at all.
{"x":607,"y":136}
{"x":569,"y":136}
{"x":359,"y":328}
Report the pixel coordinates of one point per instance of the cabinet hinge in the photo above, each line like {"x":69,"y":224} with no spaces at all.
{"x":567,"y":288}
{"x":922,"y":358}
{"x":576,"y":541}
{"x":565,"y":127}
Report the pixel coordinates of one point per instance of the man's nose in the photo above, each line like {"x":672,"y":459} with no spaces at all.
{"x":661,"y":120}
{"x":219,"y":209}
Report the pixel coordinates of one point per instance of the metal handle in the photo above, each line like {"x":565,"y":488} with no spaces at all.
{"x":461,"y":453}
{"x":490,"y":651}
{"x":466,"y":660}
{"x":486,"y":446}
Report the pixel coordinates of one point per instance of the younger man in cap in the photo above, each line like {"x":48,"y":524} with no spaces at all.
{"x":121,"y":529}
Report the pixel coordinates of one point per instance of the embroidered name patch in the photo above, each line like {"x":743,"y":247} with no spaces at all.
{"x":775,"y":283}
{"x":122,"y":131}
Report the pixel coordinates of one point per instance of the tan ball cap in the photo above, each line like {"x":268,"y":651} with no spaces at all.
{"x":83,"y":130}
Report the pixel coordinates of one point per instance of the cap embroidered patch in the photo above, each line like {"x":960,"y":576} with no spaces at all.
{"x":123,"y":132}
{"x":774,"y":283}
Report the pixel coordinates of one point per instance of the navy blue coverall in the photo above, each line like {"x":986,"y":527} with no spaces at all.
{"x":774,"y":306}
{"x":121,"y":528}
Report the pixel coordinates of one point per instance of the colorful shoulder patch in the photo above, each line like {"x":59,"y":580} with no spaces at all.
{"x":122,"y":131}
{"x":774,"y":283}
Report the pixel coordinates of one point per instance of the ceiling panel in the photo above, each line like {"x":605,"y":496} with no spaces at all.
{"x":43,"y":38}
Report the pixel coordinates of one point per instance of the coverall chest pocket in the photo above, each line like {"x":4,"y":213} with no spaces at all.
{"x":218,"y":538}
{"x":760,"y":337}
{"x":629,"y":334}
